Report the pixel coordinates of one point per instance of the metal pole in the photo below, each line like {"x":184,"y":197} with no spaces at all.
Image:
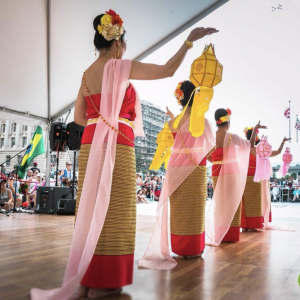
{"x":296,"y":130}
{"x":290,"y":121}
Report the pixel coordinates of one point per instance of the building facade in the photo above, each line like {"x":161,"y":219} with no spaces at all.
{"x":154,"y":119}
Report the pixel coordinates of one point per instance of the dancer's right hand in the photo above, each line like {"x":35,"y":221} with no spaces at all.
{"x":200,"y":32}
{"x":258,"y":126}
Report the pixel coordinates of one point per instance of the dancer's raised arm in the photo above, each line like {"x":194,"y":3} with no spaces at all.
{"x":143,"y":71}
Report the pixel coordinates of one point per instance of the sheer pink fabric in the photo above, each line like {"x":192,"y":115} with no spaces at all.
{"x":95,"y":195}
{"x":266,"y":204}
{"x":229,"y":189}
{"x":283,"y":169}
{"x":157,"y":255}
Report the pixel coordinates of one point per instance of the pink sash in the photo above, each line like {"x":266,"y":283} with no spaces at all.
{"x":157,"y":255}
{"x":229,"y":189}
{"x":95,"y":195}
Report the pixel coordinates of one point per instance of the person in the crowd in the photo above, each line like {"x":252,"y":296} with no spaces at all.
{"x":230,"y":160}
{"x":147,"y":193}
{"x":31,"y":194}
{"x":66,"y":182}
{"x":6,"y":197}
{"x":296,"y":194}
{"x":52,"y":171}
{"x":68,"y":173}
{"x":275,"y":191}
{"x":138,"y":182}
{"x":140,"y":197}
{"x":29,"y":174}
{"x":35,"y":167}
{"x":14,"y":185}
{"x":110,"y":267}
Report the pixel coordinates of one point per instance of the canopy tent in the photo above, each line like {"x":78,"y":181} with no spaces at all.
{"x":46,"y":46}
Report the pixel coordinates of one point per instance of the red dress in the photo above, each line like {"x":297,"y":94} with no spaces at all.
{"x":107,"y":271}
{"x":233,"y":234}
{"x":188,"y":244}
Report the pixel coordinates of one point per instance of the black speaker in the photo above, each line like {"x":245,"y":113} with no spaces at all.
{"x":74,"y":135}
{"x":66,"y":206}
{"x":58,"y":136}
{"x":48,"y":196}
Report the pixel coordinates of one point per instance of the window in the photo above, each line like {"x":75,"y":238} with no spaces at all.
{"x":7,"y":160}
{"x":13,"y":141}
{"x":13,"y":127}
{"x":61,"y":120}
{"x":2,"y":127}
{"x":24,"y":128}
{"x":1,"y":143}
{"x":34,"y":127}
{"x":24,"y":141}
{"x":20,"y":157}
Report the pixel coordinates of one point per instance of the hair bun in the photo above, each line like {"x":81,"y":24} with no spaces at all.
{"x":97,"y":22}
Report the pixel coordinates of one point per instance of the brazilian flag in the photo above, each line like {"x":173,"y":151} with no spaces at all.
{"x":35,"y":148}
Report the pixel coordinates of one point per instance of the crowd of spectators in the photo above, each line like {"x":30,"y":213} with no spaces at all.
{"x":10,"y":183}
{"x":290,"y":186}
{"x":148,"y":187}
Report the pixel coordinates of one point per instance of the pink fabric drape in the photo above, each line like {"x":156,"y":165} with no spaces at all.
{"x":283,"y":169}
{"x":229,"y":189}
{"x":157,"y":255}
{"x":96,"y":190}
{"x":266,"y":205}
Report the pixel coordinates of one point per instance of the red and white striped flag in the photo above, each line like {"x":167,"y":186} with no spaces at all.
{"x":287,"y":113}
{"x":297,"y":125}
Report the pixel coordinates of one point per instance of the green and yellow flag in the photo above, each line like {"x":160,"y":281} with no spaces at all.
{"x":35,"y":148}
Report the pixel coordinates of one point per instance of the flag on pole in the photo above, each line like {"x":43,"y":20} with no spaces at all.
{"x":287,"y":113}
{"x":297,"y":125}
{"x":36,"y":147}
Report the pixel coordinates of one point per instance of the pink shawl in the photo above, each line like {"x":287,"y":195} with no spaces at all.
{"x":157,"y":255}
{"x":229,"y":189}
{"x":95,"y":195}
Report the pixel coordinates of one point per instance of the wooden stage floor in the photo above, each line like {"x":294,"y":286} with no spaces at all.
{"x":263,"y":265}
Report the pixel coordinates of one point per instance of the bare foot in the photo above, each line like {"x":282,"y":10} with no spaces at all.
{"x":181,"y":256}
{"x":99,"y":293}
{"x":194,"y":256}
{"x":250,"y":230}
{"x":83,"y":291}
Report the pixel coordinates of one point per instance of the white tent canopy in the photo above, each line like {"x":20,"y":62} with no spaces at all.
{"x":46,"y":46}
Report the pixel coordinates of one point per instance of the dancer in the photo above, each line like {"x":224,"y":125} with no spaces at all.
{"x":186,"y":186}
{"x":229,"y":170}
{"x":101,"y":255}
{"x":252,"y":214}
{"x":187,"y":202}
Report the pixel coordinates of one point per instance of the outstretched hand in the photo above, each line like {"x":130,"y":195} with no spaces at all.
{"x":169,"y":113}
{"x":258,"y":126}
{"x":286,"y":139}
{"x":200,"y":32}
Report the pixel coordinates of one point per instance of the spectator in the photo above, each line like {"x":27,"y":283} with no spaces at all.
{"x":67,"y":171}
{"x":35,"y":168}
{"x":138,"y":181}
{"x":141,"y":198}
{"x":13,"y":185}
{"x":66,"y":182}
{"x":275,"y":191}
{"x":29,"y":174}
{"x":147,"y":192}
{"x":159,"y":183}
{"x":296,"y":194}
{"x":52,"y":171}
{"x":6,"y":198}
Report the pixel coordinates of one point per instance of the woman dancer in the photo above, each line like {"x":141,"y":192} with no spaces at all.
{"x":187,"y":202}
{"x":101,"y":255}
{"x":252,"y":213}
{"x":186,"y":186}
{"x":229,"y":170}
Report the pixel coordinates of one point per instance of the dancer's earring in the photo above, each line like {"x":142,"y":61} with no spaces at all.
{"x":118,"y":54}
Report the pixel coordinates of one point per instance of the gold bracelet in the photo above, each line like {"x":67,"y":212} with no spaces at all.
{"x":189,"y":44}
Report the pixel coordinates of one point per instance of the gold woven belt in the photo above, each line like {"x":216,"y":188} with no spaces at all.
{"x":220,"y":162}
{"x":121,"y":120}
